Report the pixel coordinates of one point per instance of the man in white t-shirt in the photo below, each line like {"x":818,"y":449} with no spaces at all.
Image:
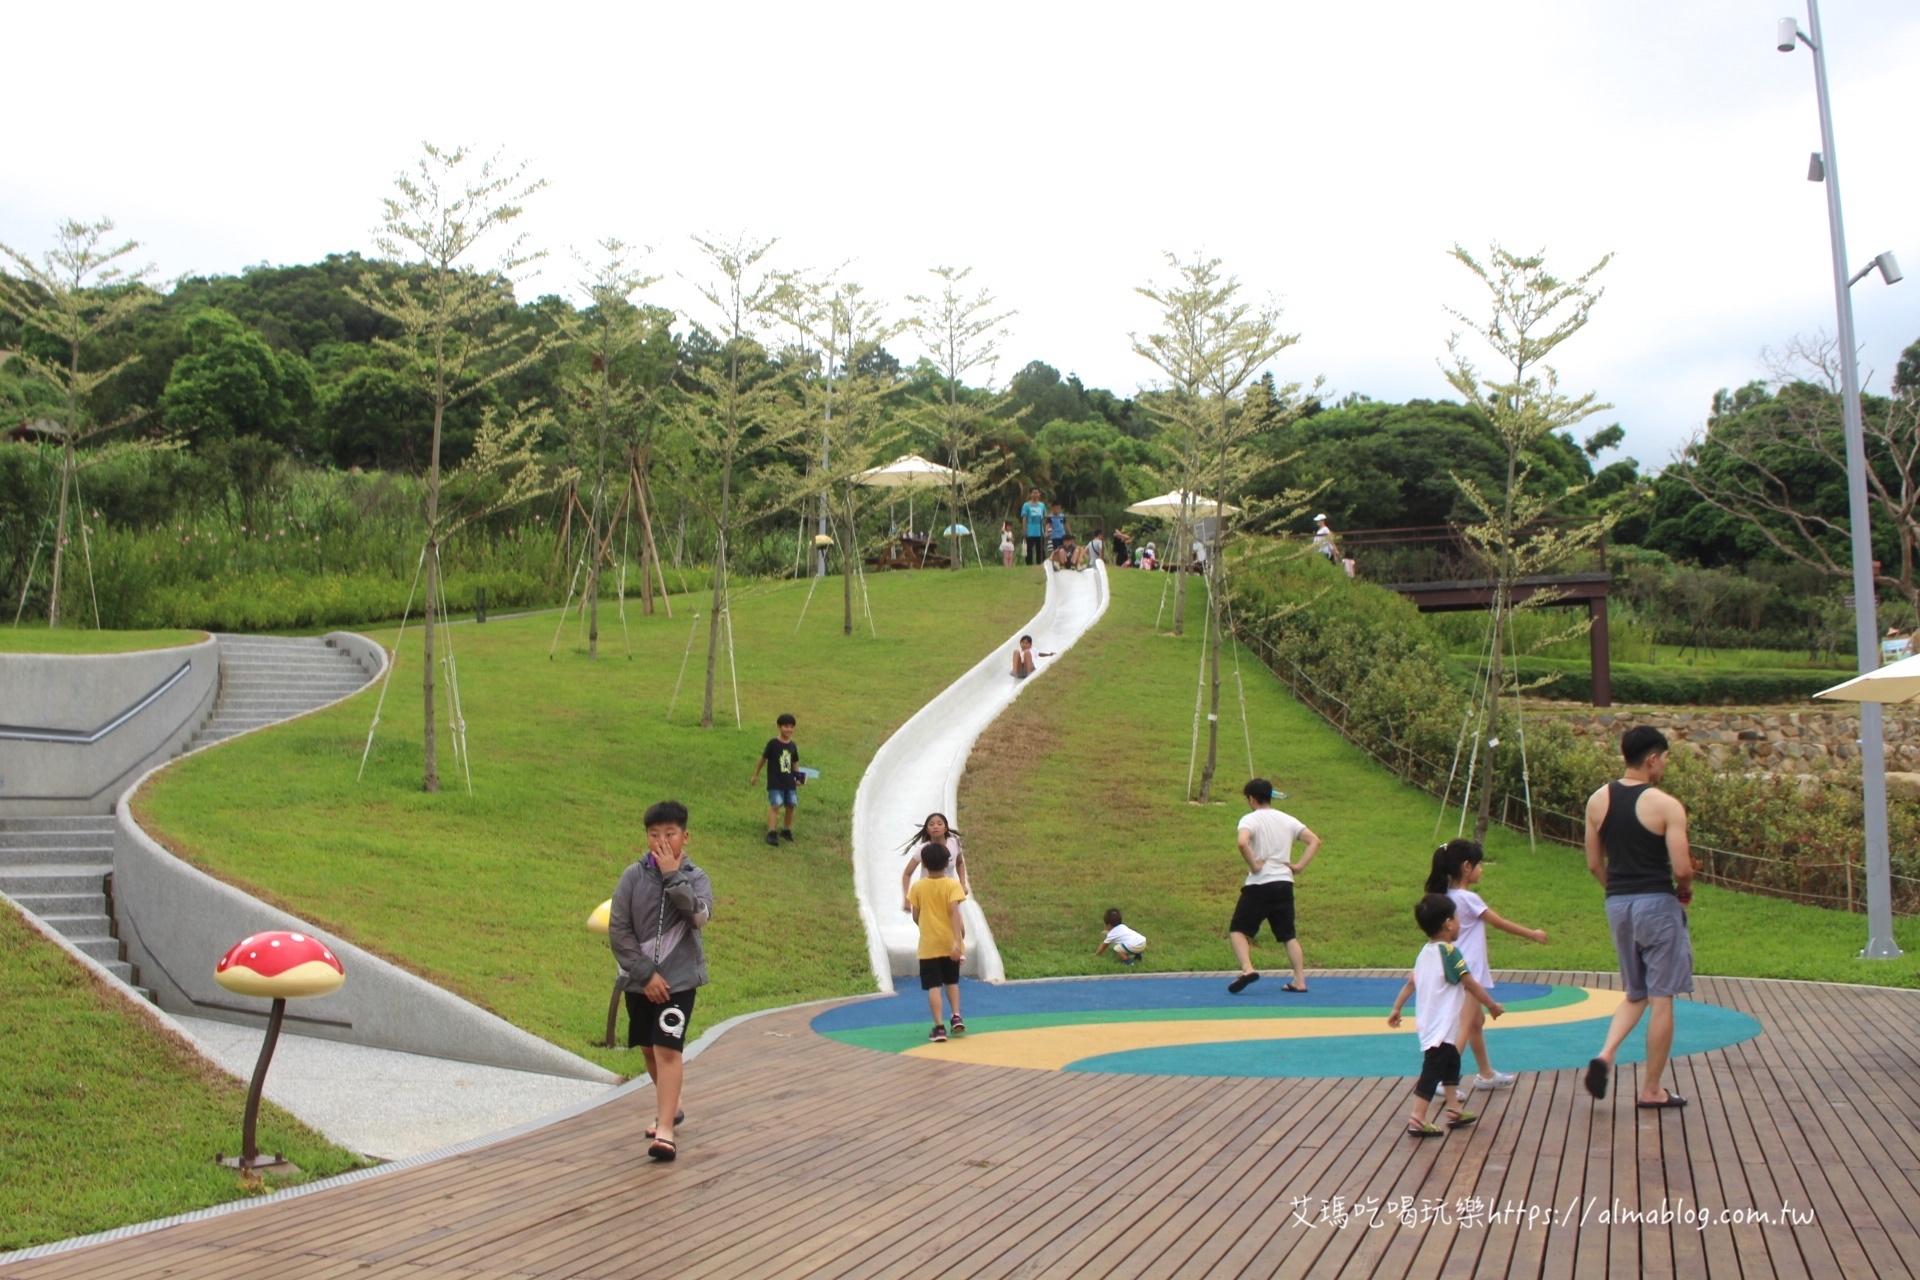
{"x":1266,"y":844}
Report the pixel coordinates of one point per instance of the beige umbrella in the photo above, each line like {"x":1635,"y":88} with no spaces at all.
{"x":1169,"y":506}
{"x":909,"y":473}
{"x":1895,"y":682}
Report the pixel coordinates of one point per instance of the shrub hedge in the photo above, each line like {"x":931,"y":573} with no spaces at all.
{"x":1572,"y":680}
{"x":1366,"y":660}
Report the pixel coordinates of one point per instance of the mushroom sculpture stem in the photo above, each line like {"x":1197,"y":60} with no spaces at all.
{"x":249,"y":1147}
{"x":274,"y":966}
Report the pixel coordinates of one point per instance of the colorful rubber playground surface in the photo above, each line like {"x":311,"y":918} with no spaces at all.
{"x":1191,"y":1026}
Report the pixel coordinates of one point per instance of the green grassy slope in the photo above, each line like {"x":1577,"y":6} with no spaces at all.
{"x":104,"y":1119}
{"x":42,"y":639}
{"x":488,"y":895}
{"x":1073,"y":802}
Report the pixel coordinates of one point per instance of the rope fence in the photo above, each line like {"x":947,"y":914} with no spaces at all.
{"x":1836,"y":884}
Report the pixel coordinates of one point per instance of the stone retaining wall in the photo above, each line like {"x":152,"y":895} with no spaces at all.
{"x":1755,"y":739}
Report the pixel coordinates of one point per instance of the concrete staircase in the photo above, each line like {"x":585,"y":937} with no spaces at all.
{"x":57,"y":867}
{"x":264,"y":679}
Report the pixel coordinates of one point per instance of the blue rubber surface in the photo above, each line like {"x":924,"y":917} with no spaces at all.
{"x":908,"y":1004}
{"x":1696,"y":1029}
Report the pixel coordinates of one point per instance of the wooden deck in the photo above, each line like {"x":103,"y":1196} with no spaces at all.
{"x":805,"y":1157}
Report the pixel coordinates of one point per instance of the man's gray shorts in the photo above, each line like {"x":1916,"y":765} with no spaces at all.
{"x":1650,"y":936}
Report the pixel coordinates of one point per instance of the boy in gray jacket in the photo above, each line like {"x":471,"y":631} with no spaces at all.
{"x":658,"y":911}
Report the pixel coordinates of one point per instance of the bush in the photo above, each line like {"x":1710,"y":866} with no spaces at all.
{"x":1670,"y":685}
{"x":1364,"y":658}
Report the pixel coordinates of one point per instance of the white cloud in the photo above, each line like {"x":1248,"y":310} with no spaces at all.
{"x":1330,"y":153}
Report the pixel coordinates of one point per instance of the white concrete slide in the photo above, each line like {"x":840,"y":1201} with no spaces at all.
{"x":917,"y":772}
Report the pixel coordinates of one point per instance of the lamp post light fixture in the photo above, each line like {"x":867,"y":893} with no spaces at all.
{"x":1866,"y":626}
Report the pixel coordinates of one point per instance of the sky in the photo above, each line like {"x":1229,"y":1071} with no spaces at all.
{"x":1329,"y":154}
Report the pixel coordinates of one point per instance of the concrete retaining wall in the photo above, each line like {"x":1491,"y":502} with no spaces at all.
{"x":83,"y":693}
{"x":177,"y":921}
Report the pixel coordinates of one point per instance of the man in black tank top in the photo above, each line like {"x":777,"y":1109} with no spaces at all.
{"x":1637,"y":849}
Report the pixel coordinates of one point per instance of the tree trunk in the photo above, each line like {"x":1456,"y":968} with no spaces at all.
{"x":593,"y":571}
{"x":1213,"y":705}
{"x":430,"y":780}
{"x":1502,"y":595}
{"x":1180,"y":573}
{"x":60,"y":530}
{"x":719,"y":594}
{"x":848,"y":549}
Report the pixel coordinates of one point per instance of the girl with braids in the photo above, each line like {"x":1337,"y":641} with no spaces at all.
{"x":1456,"y":869}
{"x":933,"y":831}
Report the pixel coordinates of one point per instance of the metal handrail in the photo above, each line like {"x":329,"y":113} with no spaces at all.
{"x":77,"y":737}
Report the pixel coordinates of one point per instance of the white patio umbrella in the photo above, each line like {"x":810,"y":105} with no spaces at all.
{"x":909,"y":473}
{"x":1168,"y":506}
{"x":1895,"y":682}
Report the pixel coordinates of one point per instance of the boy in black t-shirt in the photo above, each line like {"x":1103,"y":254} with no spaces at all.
{"x":781,"y":759}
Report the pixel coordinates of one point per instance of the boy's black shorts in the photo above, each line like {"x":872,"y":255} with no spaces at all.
{"x":941,"y":971}
{"x":659,"y":1026}
{"x":1272,"y":903}
{"x":1439,"y":1066}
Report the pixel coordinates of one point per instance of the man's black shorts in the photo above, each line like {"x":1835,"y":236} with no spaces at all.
{"x":942,"y":971}
{"x":1272,"y":903}
{"x":659,"y":1026}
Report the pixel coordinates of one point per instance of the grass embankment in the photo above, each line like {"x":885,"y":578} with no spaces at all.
{"x":44,"y":639}
{"x":104,"y":1118}
{"x":489,"y":895}
{"x":1073,"y":802}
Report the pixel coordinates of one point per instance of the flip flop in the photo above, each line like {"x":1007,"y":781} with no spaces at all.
{"x":678,"y":1117}
{"x":1292,"y":990}
{"x":1425,"y":1131}
{"x":1462,"y":1120}
{"x":1241,"y":983}
{"x":1673,"y":1103}
{"x":1598,"y":1073}
{"x":663,"y":1150}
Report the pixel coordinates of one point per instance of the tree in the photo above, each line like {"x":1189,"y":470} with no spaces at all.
{"x":1773,"y":462}
{"x":961,"y":332}
{"x":459,"y":331}
{"x":231,"y":383}
{"x":66,"y":301}
{"x":1210,"y":346}
{"x":609,"y":392}
{"x":737,"y":406}
{"x":850,"y":397}
{"x":1530,"y":313}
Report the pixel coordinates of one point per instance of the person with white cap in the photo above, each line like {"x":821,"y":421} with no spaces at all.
{"x":1323,"y":538}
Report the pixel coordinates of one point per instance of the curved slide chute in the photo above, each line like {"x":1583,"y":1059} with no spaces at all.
{"x":917,"y":772}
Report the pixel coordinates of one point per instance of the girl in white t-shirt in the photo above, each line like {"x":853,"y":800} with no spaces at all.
{"x":1006,"y":543}
{"x":933,"y":831}
{"x":1456,"y":869}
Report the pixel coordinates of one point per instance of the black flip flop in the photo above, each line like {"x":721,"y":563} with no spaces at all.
{"x":663,"y":1150}
{"x":1598,"y":1073}
{"x":1292,"y":990}
{"x":679,"y":1117}
{"x":1673,"y":1103}
{"x":1241,"y":983}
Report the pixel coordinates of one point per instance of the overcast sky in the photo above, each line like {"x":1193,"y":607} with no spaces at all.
{"x":1330,"y":153}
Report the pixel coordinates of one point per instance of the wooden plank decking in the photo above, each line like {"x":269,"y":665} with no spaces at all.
{"x":807,"y":1157}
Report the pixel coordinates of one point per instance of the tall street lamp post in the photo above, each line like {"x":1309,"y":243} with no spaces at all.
{"x":1873,"y":764}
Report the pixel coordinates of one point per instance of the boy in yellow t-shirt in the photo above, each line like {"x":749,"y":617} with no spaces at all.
{"x":935,"y":901}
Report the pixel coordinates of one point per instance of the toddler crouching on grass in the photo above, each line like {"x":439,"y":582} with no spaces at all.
{"x":1440,"y":985}
{"x":1128,"y":944}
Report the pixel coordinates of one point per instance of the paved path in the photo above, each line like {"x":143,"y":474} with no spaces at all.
{"x":917,"y":772}
{"x":386,"y":1104}
{"x":804,"y":1156}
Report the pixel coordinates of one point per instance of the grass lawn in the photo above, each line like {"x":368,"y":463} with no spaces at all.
{"x":28,"y":638}
{"x":104,"y":1119}
{"x":489,"y":895}
{"x":1073,"y":802}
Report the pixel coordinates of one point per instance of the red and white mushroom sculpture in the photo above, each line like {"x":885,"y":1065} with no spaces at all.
{"x":277,"y":966}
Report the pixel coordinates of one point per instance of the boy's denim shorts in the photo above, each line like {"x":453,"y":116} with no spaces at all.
{"x":789,"y":799}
